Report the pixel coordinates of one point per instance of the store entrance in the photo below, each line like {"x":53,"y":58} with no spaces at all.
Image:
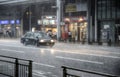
{"x":82,"y":31}
{"x":107,"y":31}
{"x":73,"y":30}
{"x":10,"y":31}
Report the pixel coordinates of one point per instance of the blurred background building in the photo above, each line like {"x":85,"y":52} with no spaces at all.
{"x":92,"y":21}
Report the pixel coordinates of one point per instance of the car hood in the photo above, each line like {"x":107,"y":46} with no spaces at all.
{"x":46,"y":38}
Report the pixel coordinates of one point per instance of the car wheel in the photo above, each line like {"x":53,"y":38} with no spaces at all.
{"x":24,"y":43}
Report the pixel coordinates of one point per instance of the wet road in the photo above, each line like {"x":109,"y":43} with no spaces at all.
{"x":47,"y":61}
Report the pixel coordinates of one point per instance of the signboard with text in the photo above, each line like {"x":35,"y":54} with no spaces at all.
{"x":70,"y":8}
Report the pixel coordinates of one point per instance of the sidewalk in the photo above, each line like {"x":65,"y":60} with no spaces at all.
{"x":10,"y":39}
{"x":86,"y":44}
{"x":79,"y":46}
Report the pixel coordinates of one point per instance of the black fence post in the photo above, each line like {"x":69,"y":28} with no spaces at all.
{"x":64,"y":71}
{"x":16,"y":68}
{"x":30,"y":69}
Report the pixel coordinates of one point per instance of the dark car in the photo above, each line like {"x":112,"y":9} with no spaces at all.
{"x":37,"y":39}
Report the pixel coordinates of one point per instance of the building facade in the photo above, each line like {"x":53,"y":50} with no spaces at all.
{"x":105,"y":21}
{"x":10,"y":21}
{"x":18,"y":19}
{"x":40,"y":16}
{"x":94,"y":21}
{"x":75,"y":19}
{"x":91,"y":21}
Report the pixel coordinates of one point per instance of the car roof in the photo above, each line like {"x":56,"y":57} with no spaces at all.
{"x":36,"y":32}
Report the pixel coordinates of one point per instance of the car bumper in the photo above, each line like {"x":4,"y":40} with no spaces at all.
{"x":46,"y":43}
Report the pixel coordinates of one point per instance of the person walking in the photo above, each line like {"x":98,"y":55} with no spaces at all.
{"x":73,"y":35}
{"x":69,"y":36}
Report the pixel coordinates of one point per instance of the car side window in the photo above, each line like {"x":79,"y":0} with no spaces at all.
{"x":25,"y":35}
{"x":28,"y":35}
{"x":38,"y":35}
{"x":34,"y":35}
{"x":31,"y":35}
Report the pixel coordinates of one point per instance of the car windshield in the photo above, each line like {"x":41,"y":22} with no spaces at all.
{"x":41,"y":34}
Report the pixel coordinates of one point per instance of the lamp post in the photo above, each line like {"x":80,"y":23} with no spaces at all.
{"x":30,"y":18}
{"x":29,"y":14}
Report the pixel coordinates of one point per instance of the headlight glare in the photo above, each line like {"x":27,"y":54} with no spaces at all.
{"x":41,"y":40}
{"x":52,"y":40}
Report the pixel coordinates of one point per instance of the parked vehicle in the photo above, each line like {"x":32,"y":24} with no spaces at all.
{"x":37,"y":39}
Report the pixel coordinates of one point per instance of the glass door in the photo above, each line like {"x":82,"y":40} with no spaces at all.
{"x":107,"y":31}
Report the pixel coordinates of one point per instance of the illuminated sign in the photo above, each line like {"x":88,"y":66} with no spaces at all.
{"x":12,"y":22}
{"x":17,"y":21}
{"x":48,"y":22}
{"x":4,"y":22}
{"x":9,"y":21}
{"x":48,"y":17}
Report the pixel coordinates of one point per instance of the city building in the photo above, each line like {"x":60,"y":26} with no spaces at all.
{"x":105,"y":24}
{"x":75,"y":19}
{"x":93,"y":21}
{"x":19,"y":18}
{"x":40,"y":16}
{"x":90,"y":21}
{"x":10,"y":21}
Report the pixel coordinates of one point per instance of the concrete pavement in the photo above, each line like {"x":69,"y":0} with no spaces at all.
{"x":78,"y":46}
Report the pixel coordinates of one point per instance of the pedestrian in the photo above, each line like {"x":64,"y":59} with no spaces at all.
{"x":69,"y":36}
{"x":49,"y":33}
{"x":73,"y":35}
{"x":55,"y":35}
{"x":4,"y":33}
{"x":10,"y":33}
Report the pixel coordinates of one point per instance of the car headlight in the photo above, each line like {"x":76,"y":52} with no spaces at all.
{"x":41,"y":40}
{"x":52,"y":40}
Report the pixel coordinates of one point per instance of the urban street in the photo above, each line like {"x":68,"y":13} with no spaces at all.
{"x":59,"y":38}
{"x":47,"y":61}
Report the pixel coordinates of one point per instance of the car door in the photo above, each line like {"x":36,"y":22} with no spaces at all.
{"x":31,"y":38}
{"x":27,"y":38}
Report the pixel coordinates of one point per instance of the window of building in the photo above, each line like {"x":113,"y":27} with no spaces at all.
{"x":70,"y":1}
{"x":108,"y":9}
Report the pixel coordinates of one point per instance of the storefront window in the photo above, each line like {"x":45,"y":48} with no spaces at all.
{"x":45,"y":22}
{"x":48,"y":20}
{"x":52,"y":22}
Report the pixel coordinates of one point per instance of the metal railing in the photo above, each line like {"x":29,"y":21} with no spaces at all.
{"x":15,"y":67}
{"x":66,"y":74}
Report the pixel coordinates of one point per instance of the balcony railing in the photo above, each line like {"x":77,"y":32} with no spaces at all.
{"x":15,"y":67}
{"x":93,"y":73}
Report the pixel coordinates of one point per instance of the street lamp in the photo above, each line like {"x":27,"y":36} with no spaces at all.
{"x":29,"y":13}
{"x":30,"y":18}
